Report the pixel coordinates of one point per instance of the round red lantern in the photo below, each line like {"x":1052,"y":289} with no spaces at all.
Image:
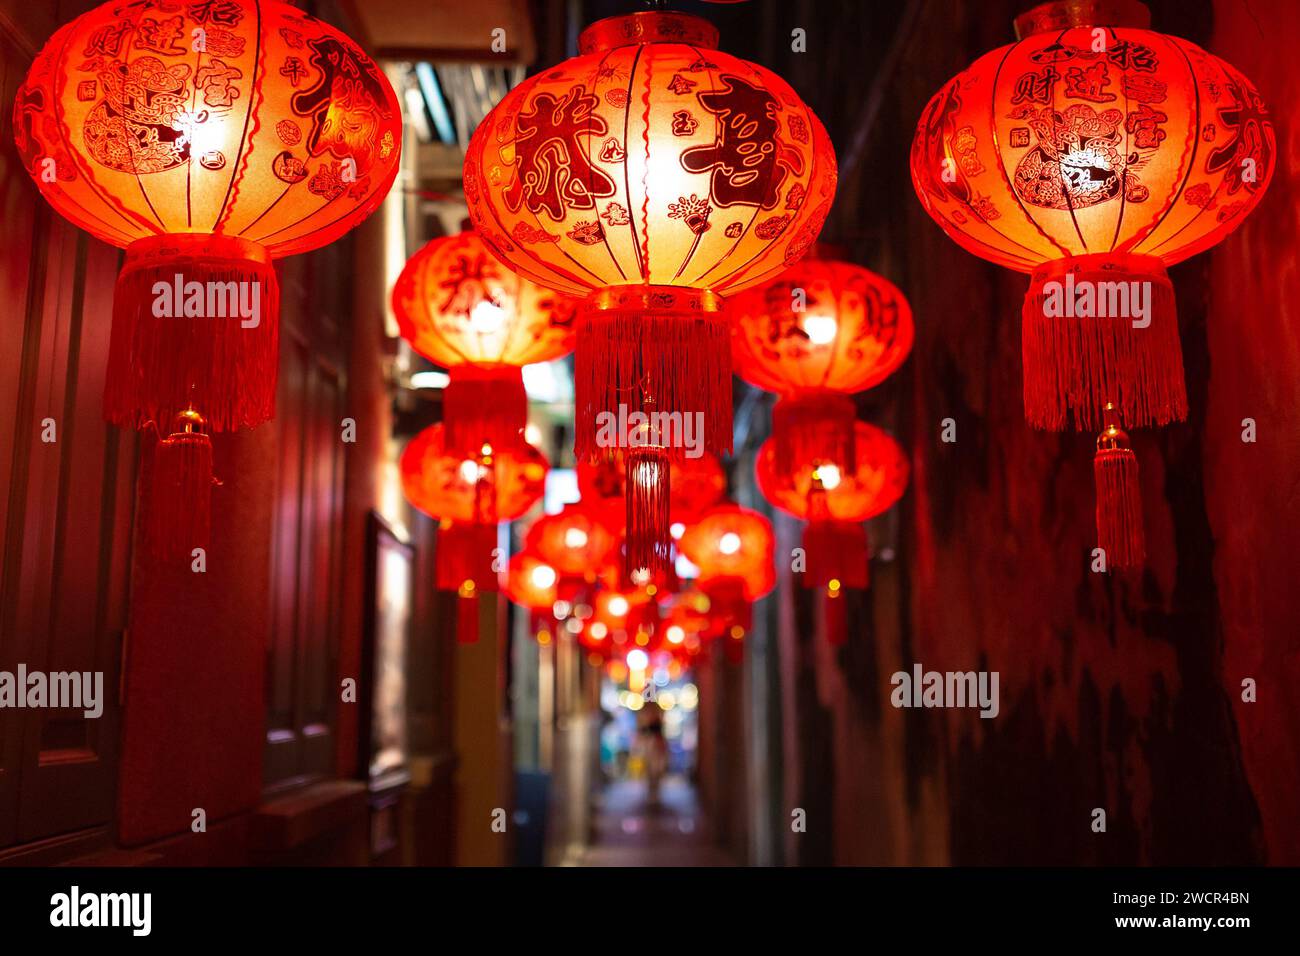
{"x":574,"y":541}
{"x":820,"y":331}
{"x":461,"y":308}
{"x":835,"y":500}
{"x":729,"y":541}
{"x":470,"y":495}
{"x":1094,"y":153}
{"x":206,"y":139}
{"x":655,"y":175}
{"x":531,"y":581}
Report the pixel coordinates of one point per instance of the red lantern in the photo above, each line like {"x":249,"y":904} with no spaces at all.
{"x":471,"y":495}
{"x":1094,"y":153}
{"x":835,"y":500}
{"x":819,"y":332}
{"x":531,"y":581}
{"x":655,"y":175}
{"x":206,"y":139}
{"x":574,"y":541}
{"x":733,"y":548}
{"x":460,"y":307}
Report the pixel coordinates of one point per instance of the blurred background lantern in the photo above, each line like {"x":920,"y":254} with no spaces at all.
{"x":835,"y":500}
{"x":653,"y":174}
{"x":733,"y":547}
{"x":470,"y":495}
{"x":274,"y":135}
{"x":817,"y":333}
{"x":574,"y":541}
{"x":459,"y":307}
{"x":1094,"y":153}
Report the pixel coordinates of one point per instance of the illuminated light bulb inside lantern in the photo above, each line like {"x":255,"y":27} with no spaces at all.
{"x":470,"y":472}
{"x":573,"y":626}
{"x":637,"y":659}
{"x":677,"y":530}
{"x":532,"y":434}
{"x":466,"y":589}
{"x":575,"y":538}
{"x":651,"y":590}
{"x":833,"y":588}
{"x":729,"y":543}
{"x":675,"y":634}
{"x":486,"y":451}
{"x":598,"y":631}
{"x":642,"y":638}
{"x":821,"y":329}
{"x":543,"y":576}
{"x":618,"y":605}
{"x":828,"y":476}
{"x":487,"y":318}
{"x":561,"y":609}
{"x":737,"y":632}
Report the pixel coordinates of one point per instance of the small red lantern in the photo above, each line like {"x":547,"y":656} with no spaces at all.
{"x":835,"y":500}
{"x":575,"y":542}
{"x":733,"y":548}
{"x":205,"y":139}
{"x":1094,"y":153}
{"x":654,"y":174}
{"x":460,"y":307}
{"x":471,"y":494}
{"x":819,"y":332}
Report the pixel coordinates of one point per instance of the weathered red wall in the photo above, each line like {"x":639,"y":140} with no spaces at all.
{"x":1123,"y":695}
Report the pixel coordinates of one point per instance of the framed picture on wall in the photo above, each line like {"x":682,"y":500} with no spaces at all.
{"x":385,"y":754}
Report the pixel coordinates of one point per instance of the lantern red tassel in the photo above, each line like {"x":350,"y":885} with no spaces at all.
{"x":652,"y":349}
{"x":1075,"y":363}
{"x":837,"y":555}
{"x":195,"y":319}
{"x":465,"y":555}
{"x":467,"y":617}
{"x":484,"y":405}
{"x":815,"y":427}
{"x":835,"y":617}
{"x":649,"y":540}
{"x":1119,"y":499}
{"x":178,"y":498}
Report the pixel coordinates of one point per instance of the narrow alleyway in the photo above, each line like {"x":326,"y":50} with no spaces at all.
{"x":633,"y":831}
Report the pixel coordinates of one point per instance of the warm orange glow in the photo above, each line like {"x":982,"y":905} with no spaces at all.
{"x":1045,"y":149}
{"x":573,"y":541}
{"x":876,"y":481}
{"x":530,"y":581}
{"x":457,"y":304}
{"x":656,"y":186}
{"x":821,"y":324}
{"x":281,"y":131}
{"x":441,"y":485}
{"x":730,"y":541}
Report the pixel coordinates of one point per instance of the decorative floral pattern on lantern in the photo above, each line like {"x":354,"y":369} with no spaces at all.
{"x":654,"y":174}
{"x":458,"y":306}
{"x":820,"y":331}
{"x":835,"y":501}
{"x":1094,"y":158}
{"x":206,"y":139}
{"x":574,"y":541}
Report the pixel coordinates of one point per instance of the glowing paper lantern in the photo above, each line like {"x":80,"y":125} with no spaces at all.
{"x":835,"y":501}
{"x":731,"y":542}
{"x":655,"y":175}
{"x":1094,"y":153}
{"x":471,"y":495}
{"x":820,"y":331}
{"x":460,"y":307}
{"x":206,"y":139}
{"x":574,"y":541}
